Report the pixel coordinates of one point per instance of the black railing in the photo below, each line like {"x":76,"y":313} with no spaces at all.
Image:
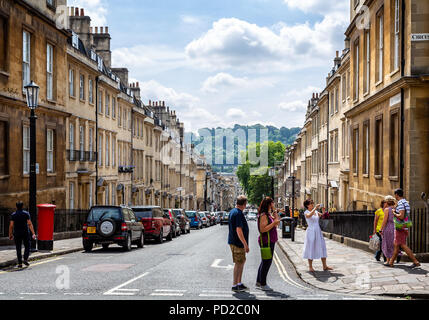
{"x":359,"y":225}
{"x":64,"y":220}
{"x":82,"y":156}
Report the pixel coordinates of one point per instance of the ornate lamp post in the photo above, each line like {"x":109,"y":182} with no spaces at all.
{"x":272,"y":174}
{"x":32,"y":93}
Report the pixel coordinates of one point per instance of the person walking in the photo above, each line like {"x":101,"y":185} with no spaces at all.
{"x":402,"y":212}
{"x":387,"y":230}
{"x":314,"y":243}
{"x":238,"y":240}
{"x":378,"y":222}
{"x":19,"y":230}
{"x":268,"y":220}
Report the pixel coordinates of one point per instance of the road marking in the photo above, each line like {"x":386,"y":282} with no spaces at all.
{"x":285,"y":275}
{"x":215,"y":264}
{"x":312,"y":297}
{"x":212,"y":295}
{"x":46,"y":261}
{"x":166,"y":294}
{"x":363,"y":298}
{"x":76,"y":294}
{"x":31,"y":265}
{"x":168,"y":290}
{"x":118,"y":288}
{"x":33,"y":293}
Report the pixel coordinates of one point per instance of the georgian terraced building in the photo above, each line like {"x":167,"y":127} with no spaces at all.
{"x":366,"y":133}
{"x":97,"y":142}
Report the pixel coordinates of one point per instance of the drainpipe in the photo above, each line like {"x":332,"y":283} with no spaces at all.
{"x":96,"y":139}
{"x":401,"y":147}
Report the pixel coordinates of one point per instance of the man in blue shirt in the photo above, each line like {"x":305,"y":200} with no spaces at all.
{"x":19,"y":230}
{"x":238,"y":240}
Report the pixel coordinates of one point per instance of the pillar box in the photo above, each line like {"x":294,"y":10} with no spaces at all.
{"x":45,"y":230}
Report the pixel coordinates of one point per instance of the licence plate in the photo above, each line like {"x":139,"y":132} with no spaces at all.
{"x":91,"y":230}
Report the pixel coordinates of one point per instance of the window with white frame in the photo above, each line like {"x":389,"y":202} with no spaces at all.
{"x":380,"y":46}
{"x":356,"y":70}
{"x":71,"y":82}
{"x":100,"y":102}
{"x":396,"y":35}
{"x":100,"y":150}
{"x":107,"y":150}
{"x":82,"y":87}
{"x":26,"y":58}
{"x":113,"y":151}
{"x":49,"y":72}
{"x":107,"y":104}
{"x":366,"y":147}
{"x":82,"y":143}
{"x":91,"y":143}
{"x":90,"y":91}
{"x":90,"y":191}
{"x":113,"y":107}
{"x":71,"y":141}
{"x":50,"y":150}
{"x":26,"y":149}
{"x":367,"y":61}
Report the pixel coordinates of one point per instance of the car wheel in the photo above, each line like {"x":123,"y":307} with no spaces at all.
{"x":170,"y":235}
{"x":87,"y":245}
{"x":127,"y":245}
{"x":161,"y":237}
{"x":140,"y":243}
{"x":189,"y":229}
{"x":105,"y":246}
{"x":174,"y":233}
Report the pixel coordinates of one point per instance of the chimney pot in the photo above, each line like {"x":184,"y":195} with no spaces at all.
{"x":337,"y":53}
{"x":150,"y":103}
{"x":101,"y":30}
{"x":72,"y":11}
{"x":90,"y":29}
{"x":96,"y":29}
{"x":107,"y":29}
{"x":138,"y":85}
{"x":82,"y":12}
{"x":76,"y":13}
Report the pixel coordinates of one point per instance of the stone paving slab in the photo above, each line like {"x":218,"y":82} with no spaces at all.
{"x":8,"y":253}
{"x":356,"y":271}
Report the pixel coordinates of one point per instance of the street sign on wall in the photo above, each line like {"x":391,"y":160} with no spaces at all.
{"x":420,"y":37}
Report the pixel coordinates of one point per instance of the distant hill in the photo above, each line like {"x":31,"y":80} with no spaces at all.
{"x":284,"y":135}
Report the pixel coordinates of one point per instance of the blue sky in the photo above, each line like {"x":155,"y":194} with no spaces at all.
{"x":223,"y":62}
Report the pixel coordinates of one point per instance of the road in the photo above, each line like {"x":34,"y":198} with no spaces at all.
{"x":196,"y":266}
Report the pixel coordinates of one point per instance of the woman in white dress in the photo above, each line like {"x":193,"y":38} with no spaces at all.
{"x":314,"y":244}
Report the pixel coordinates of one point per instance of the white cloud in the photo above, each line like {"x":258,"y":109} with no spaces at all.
{"x":223,"y":81}
{"x":293,"y":106}
{"x":325,"y":7}
{"x":237,"y":44}
{"x":235,"y":113}
{"x":189,"y":19}
{"x":95,"y":9}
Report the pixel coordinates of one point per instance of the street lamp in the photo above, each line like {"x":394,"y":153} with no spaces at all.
{"x":32,"y":94}
{"x":272,"y":173}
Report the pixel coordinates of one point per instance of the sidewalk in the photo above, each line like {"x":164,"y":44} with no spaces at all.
{"x":356,"y":271}
{"x":8,"y":253}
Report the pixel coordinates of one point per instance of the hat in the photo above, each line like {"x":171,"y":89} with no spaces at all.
{"x":390,"y":199}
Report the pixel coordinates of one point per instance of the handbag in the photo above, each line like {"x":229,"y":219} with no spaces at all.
{"x":374,"y":243}
{"x":266,"y":253}
{"x":403,"y":224}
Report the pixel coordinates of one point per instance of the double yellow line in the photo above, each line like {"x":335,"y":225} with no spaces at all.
{"x":285,"y":276}
{"x":31,"y":265}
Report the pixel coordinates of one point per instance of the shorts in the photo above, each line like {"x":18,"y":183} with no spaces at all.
{"x":238,"y":254}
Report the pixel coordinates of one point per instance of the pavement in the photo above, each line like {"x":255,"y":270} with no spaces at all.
{"x":356,"y":271}
{"x":61,"y":247}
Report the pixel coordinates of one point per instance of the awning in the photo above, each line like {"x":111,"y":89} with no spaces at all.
{"x":100,"y":182}
{"x":333,"y":184}
{"x":120,"y":187}
{"x":134,"y":190}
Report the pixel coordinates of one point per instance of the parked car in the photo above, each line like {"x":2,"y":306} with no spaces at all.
{"x":184,"y":221}
{"x":218,"y":216}
{"x":204,"y":219}
{"x":213,"y":218}
{"x":224,"y":217}
{"x":195,"y":219}
{"x":157,"y":224}
{"x":174,"y":222}
{"x":251,"y":216}
{"x":106,"y":225}
{"x":210,"y":218}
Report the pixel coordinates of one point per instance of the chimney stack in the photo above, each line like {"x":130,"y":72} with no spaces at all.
{"x":150,"y":103}
{"x":107,"y":29}
{"x":76,"y":12}
{"x":72,"y":12}
{"x":96,"y":29}
{"x":101,"y":30}
{"x":82,"y":12}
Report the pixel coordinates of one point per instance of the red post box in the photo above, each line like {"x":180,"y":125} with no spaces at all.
{"x":45,"y":227}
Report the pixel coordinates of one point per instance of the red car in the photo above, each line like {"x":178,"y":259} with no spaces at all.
{"x":157,"y":224}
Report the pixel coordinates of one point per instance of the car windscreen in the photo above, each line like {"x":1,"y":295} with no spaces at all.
{"x":143,"y":213}
{"x":177,"y":212}
{"x":190,"y":214}
{"x":96,"y":214}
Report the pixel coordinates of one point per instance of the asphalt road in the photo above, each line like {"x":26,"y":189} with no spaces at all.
{"x":195,"y":266}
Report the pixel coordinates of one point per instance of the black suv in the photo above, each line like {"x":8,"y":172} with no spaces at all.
{"x":112,"y":224}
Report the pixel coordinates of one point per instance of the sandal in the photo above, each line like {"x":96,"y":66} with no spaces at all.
{"x":388,"y":265}
{"x":414,"y":266}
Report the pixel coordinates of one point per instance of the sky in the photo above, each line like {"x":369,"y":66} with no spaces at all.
{"x":225,"y":62}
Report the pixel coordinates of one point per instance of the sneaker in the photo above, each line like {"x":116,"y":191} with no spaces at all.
{"x":236,"y":289}
{"x":19,"y":266}
{"x":258,"y":285}
{"x":242,"y":287}
{"x":266,"y":288}
{"x":26,"y":263}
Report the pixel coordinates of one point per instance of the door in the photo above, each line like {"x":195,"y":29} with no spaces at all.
{"x":136,"y":226}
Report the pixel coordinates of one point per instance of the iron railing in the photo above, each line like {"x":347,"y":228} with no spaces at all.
{"x":359,"y":225}
{"x":81,"y":156}
{"x":64,"y":220}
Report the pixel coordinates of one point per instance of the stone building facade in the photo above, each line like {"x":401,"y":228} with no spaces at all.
{"x":370,"y":121}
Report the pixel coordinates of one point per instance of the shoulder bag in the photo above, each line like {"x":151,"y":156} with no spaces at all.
{"x":266,"y":253}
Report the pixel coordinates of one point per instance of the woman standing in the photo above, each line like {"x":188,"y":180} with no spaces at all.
{"x":268,"y":220}
{"x":314,"y":244}
{"x":378,"y":222}
{"x":387,"y":230}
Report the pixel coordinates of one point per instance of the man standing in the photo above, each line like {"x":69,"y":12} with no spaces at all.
{"x":19,"y":230}
{"x":238,"y":240}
